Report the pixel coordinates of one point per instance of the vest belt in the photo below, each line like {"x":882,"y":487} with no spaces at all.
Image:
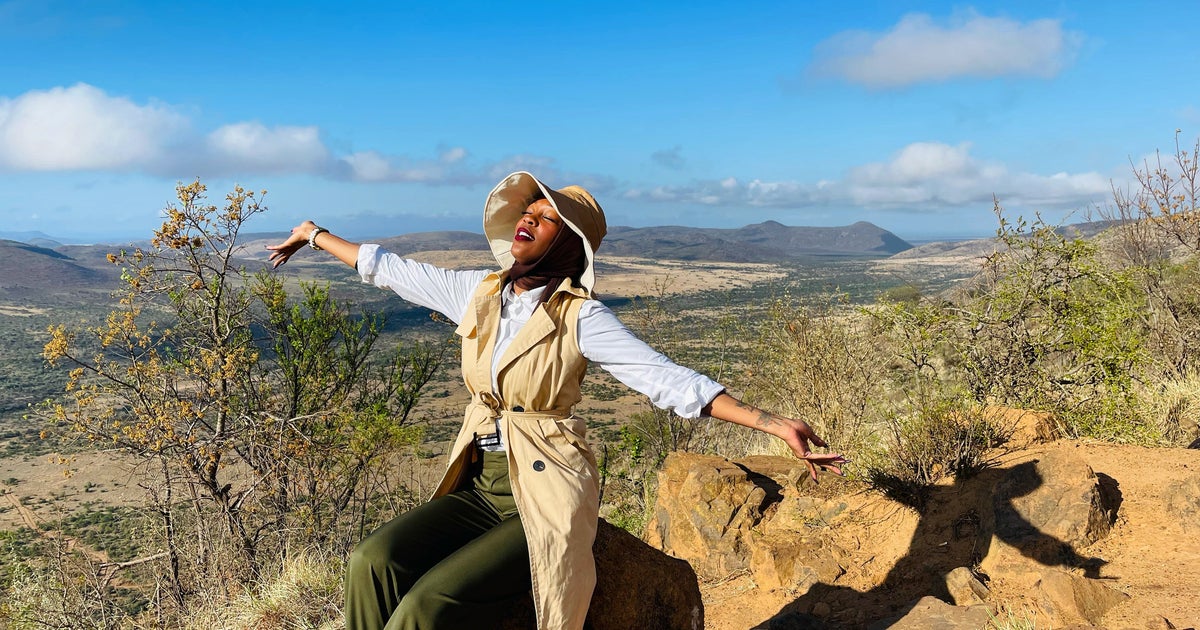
{"x":481,"y":410}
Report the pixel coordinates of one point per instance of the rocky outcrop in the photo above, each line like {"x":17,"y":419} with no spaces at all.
{"x":761,"y":516}
{"x":711,"y":512}
{"x":1045,"y":509}
{"x":637,"y":587}
{"x":965,"y":589}
{"x":1023,"y":427}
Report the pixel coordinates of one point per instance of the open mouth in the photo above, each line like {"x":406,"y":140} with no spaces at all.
{"x":523,"y":235}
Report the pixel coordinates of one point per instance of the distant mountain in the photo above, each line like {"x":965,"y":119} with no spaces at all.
{"x":28,"y":268}
{"x":406,"y":244}
{"x":762,"y":242}
{"x":972,"y":248}
{"x":975,"y":248}
{"x":41,"y":239}
{"x":40,"y":269}
{"x":770,"y":241}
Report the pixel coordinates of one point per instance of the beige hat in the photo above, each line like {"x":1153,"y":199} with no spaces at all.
{"x":575,"y":205}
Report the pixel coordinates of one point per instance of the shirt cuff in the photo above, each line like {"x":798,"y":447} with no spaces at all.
{"x":705,"y":393}
{"x":368,"y":262}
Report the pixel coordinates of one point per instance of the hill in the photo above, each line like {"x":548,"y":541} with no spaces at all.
{"x":769,"y":241}
{"x":938,"y":265}
{"x":30,"y":268}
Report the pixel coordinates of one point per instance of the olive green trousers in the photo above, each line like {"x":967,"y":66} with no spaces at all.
{"x":455,"y":562}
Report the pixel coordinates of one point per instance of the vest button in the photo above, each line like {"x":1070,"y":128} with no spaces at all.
{"x":518,"y":408}
{"x":539,"y":465}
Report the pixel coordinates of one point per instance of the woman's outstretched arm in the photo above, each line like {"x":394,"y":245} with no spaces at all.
{"x":340,"y":248}
{"x":796,"y":433}
{"x":604,"y":340}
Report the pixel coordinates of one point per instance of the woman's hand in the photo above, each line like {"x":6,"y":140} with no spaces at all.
{"x":796,"y":433}
{"x":284,"y":251}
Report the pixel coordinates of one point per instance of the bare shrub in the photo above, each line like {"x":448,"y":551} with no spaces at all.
{"x":820,"y":363}
{"x":61,"y":588}
{"x":261,"y":421}
{"x":933,"y":436}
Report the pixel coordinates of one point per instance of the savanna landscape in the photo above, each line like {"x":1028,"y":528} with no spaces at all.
{"x":189,"y":440}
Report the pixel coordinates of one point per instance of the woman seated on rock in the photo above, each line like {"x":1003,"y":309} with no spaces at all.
{"x":518,"y":506}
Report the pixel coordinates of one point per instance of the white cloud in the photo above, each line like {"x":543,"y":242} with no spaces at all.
{"x":918,"y":162}
{"x":448,"y":168}
{"x":82,"y":128}
{"x":918,"y":50}
{"x":367,"y":166}
{"x":251,"y":146}
{"x":541,"y":165}
{"x":921,"y":176}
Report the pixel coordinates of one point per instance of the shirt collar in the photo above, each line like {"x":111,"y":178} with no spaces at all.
{"x":528,"y":298}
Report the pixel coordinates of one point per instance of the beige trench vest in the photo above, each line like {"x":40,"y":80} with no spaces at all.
{"x":553,"y":472}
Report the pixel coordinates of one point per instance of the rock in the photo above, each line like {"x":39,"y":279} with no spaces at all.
{"x":637,"y":587}
{"x":728,"y":516}
{"x":931,"y":613}
{"x":1071,"y":598}
{"x":1183,"y":499}
{"x":705,"y":504}
{"x":789,"y":561}
{"x":1024,"y":427}
{"x":1159,"y":622}
{"x":1044,"y":510}
{"x":965,"y":588}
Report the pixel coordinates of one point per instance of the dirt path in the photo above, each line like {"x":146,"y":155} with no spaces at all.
{"x":73,"y":544}
{"x":1153,"y":553}
{"x":26,"y":514}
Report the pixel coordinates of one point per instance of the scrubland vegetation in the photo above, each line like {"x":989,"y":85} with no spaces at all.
{"x":270,"y":426}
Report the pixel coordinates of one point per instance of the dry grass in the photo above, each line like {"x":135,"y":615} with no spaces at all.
{"x":1175,"y":408}
{"x":306,"y":593}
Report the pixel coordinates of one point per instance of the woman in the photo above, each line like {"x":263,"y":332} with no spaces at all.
{"x":517,"y":508}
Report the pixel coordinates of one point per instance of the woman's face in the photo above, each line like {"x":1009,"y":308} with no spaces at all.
{"x":535,"y":231}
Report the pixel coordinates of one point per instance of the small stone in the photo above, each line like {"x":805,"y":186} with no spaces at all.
{"x":964,"y":588}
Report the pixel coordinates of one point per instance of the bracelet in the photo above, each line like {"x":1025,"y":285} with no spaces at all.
{"x":312,"y":237}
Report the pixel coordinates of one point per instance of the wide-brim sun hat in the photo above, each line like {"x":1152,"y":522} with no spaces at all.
{"x":575,"y":205}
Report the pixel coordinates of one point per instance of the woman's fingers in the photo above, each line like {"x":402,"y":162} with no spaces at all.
{"x":829,"y":468}
{"x":281,"y":253}
{"x":812,"y":471}
{"x":803,"y":434}
{"x":825,"y":459}
{"x":829,"y":462}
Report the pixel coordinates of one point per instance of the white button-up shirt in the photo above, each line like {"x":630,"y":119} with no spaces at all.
{"x":603,"y":339}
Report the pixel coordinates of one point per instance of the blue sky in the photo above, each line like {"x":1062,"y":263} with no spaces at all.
{"x":381,"y":118}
